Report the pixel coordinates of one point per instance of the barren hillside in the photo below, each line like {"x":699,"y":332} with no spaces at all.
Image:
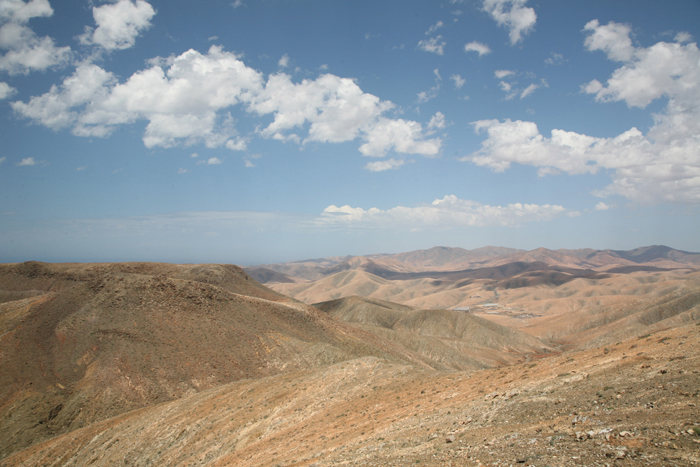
{"x":447,"y":339}
{"x":633,"y":403}
{"x":82,"y":343}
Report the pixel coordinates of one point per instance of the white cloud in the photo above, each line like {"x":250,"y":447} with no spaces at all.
{"x":25,"y":50}
{"x":237,"y":3}
{"x":447,"y":212}
{"x":434,"y":28}
{"x":500,"y":74}
{"x":186,"y":99}
{"x":6,"y":90}
{"x":478,"y":47}
{"x":2,"y":159}
{"x":194,"y":155}
{"x":21,"y":12}
{"x":529,"y":90}
{"x":425,"y":96}
{"x":603,"y":207}
{"x":400,"y":135}
{"x":682,"y":37}
{"x":214,"y":161}
{"x":555,"y":59}
{"x":613,"y":39}
{"x":183,"y":103}
{"x":458,"y":80}
{"x":118,"y":24}
{"x":437,"y":121}
{"x":336,"y":107}
{"x":381,"y":166}
{"x":513,"y":15}
{"x":239,"y":144}
{"x":27,"y":161}
{"x":434,"y":45}
{"x":283,"y":61}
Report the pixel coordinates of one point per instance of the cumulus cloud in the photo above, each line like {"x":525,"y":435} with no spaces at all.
{"x":400,"y":135}
{"x":381,"y":166}
{"x":6,"y":90}
{"x":283,"y":61}
{"x":447,"y":212}
{"x":26,"y":51}
{"x":118,"y":24}
{"x":434,"y":45}
{"x":478,"y":47}
{"x":337,"y":108}
{"x":601,"y":206}
{"x":458,"y":80}
{"x":214,"y":161}
{"x":183,"y":103}
{"x":614,"y":39}
{"x":513,"y":15}
{"x":187,"y":99}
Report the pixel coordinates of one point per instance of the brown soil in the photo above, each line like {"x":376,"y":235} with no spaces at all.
{"x":635,"y":403}
{"x":157,"y":364}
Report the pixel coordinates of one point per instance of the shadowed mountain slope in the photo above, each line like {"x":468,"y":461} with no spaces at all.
{"x":447,"y":339}
{"x":89,"y":342}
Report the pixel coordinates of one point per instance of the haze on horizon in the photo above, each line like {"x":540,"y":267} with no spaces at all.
{"x":258,"y":132}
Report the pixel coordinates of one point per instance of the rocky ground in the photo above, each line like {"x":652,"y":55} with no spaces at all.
{"x":632,"y":403}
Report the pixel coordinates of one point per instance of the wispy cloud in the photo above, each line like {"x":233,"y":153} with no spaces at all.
{"x":458,"y":80}
{"x":434,"y":28}
{"x":381,"y":166}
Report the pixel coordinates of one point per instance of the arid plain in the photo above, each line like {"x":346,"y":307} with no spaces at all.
{"x":444,"y":356}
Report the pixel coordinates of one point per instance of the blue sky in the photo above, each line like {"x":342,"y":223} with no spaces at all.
{"x":252,"y":132}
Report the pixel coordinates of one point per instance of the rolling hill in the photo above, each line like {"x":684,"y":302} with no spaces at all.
{"x":82,"y":343}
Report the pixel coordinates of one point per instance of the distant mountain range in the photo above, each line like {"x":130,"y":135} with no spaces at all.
{"x":446,"y":259}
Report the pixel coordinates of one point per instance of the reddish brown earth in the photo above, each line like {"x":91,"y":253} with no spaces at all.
{"x":159,"y":364}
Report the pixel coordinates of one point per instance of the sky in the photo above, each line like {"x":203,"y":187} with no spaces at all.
{"x":254,"y":132}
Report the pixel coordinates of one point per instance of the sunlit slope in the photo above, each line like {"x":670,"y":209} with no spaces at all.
{"x":98,"y":340}
{"x":633,"y":403}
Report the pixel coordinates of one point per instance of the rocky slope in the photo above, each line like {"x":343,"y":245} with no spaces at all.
{"x":446,"y":339}
{"x":88,"y":342}
{"x":633,"y":403}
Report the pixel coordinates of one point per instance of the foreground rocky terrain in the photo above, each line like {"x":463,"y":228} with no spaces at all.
{"x":159,"y":364}
{"x":634,"y":403}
